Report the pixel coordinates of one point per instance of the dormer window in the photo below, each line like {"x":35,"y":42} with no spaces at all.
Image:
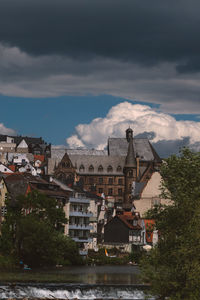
{"x":91,"y":168}
{"x":82,"y":168}
{"x":109,"y":169}
{"x":135,"y":222}
{"x":119,"y":168}
{"x":100,"y":168}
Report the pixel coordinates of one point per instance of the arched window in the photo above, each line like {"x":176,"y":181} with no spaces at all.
{"x":91,"y":168}
{"x":130,"y":173}
{"x":110,"y":169}
{"x":82,"y":168}
{"x":119,"y":168}
{"x":100,"y":168}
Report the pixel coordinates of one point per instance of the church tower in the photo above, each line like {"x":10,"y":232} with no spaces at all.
{"x":130,"y":168}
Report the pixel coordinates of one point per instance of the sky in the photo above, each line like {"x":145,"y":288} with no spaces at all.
{"x":76,"y":72}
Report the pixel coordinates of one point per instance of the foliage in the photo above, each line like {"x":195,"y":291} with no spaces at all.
{"x":32,"y":232}
{"x":99,"y":258}
{"x":173,"y":266}
{"x":7,"y":263}
{"x":136,"y":254}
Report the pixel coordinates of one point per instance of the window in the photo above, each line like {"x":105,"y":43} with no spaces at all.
{"x":110,"y":180}
{"x":100,"y":168}
{"x":91,"y":180}
{"x":100,"y":180}
{"x":91,"y":168}
{"x":130,"y":174}
{"x":120,"y":192}
{"x":135,"y":222}
{"x":119,"y":168}
{"x":3,"y":210}
{"x":100,"y":190}
{"x":110,"y":191}
{"x":109,"y":169}
{"x":82,"y":168}
{"x":120,"y":181}
{"x":156,"y":201}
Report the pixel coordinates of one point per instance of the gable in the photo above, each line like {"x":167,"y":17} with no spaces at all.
{"x":22,"y":144}
{"x":4,"y":169}
{"x":152,"y":188}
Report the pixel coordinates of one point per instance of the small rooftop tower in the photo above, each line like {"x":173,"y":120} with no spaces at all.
{"x":129,"y":134}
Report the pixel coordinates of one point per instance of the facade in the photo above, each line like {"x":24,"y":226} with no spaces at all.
{"x":125,"y":231}
{"x":147,"y":194}
{"x":79,"y":227}
{"x":110,"y":172}
{"x":3,"y":198}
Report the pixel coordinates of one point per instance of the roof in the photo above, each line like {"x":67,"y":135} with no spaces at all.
{"x":58,"y":153}
{"x":142,"y":148}
{"x":127,"y":218}
{"x":138,"y":188}
{"x":39,"y":157}
{"x":130,"y":158}
{"x":18,"y":139}
{"x":18,"y":184}
{"x":96,"y":162}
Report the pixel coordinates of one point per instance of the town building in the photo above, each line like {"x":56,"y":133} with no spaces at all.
{"x":124,"y":231}
{"x":24,"y":144}
{"x":111,"y":172}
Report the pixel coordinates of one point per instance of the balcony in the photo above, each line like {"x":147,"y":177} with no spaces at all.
{"x":82,"y":239}
{"x":79,"y":200}
{"x":80,"y":214}
{"x":80,"y":226}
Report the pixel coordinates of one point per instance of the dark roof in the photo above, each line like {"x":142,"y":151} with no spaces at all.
{"x":18,"y":139}
{"x":130,"y":158}
{"x":127,"y":218}
{"x":139,"y":186}
{"x":142,"y":148}
{"x":17,"y":184}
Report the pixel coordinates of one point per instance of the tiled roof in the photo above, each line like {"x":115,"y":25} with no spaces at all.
{"x":127,"y":218}
{"x":39,"y":157}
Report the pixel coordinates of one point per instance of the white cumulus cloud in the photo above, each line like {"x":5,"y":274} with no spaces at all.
{"x":142,"y":119}
{"x":5,"y":130}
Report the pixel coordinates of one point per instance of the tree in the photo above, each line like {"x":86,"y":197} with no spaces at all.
{"x":33,"y":231}
{"x":173,"y":267}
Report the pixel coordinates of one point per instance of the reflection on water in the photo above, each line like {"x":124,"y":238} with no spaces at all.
{"x":103,"y":274}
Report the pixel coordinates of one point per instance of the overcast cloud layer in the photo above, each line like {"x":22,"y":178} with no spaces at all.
{"x":165,"y":133}
{"x":140,"y":50}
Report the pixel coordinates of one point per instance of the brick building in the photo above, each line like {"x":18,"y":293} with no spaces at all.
{"x":110,"y":172}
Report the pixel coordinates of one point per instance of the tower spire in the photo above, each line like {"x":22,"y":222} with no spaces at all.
{"x":130,"y":161}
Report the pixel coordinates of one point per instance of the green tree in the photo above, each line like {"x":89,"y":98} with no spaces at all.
{"x":33,"y":231}
{"x":173,"y":267}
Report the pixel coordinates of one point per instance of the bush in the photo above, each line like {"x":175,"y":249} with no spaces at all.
{"x":7,"y":263}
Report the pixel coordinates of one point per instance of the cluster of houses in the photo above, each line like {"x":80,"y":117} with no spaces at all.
{"x":104,"y":195}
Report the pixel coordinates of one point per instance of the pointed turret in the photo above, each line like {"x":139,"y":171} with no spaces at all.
{"x":130,"y":161}
{"x":130,"y":168}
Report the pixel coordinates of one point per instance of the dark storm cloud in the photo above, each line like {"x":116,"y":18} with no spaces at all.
{"x":165,"y":148}
{"x":145,"y":32}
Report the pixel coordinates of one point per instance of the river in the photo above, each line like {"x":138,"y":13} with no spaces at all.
{"x":96,"y":282}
